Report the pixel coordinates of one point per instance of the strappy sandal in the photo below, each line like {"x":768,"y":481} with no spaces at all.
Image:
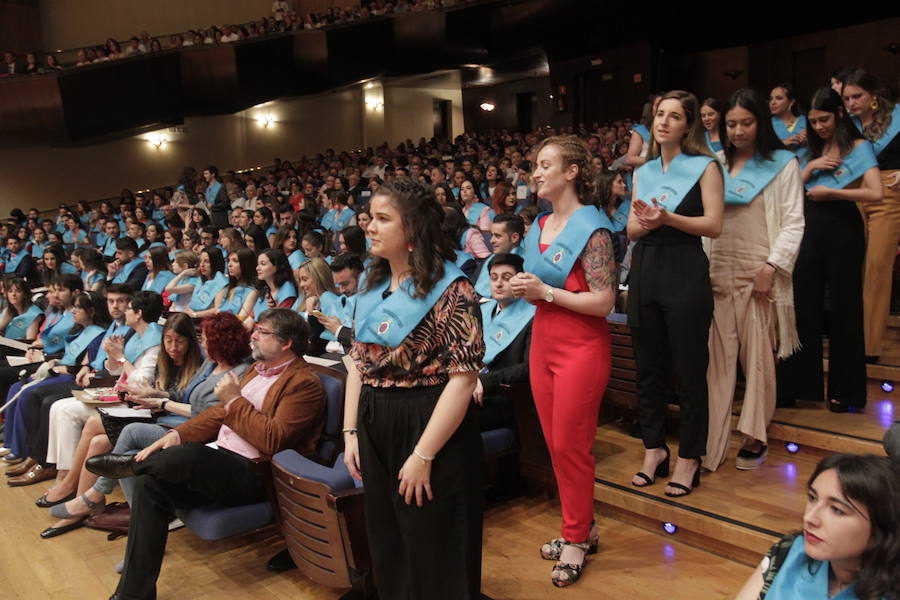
{"x":552,"y":549}
{"x":695,"y":483}
{"x":59,"y":511}
{"x":662,"y":470}
{"x":565,"y":574}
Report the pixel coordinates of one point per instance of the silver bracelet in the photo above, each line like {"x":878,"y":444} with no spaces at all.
{"x":350,"y":430}
{"x":424,"y":458}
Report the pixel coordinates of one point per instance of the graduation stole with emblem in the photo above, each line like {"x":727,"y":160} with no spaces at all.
{"x":500,"y":331}
{"x":388,"y":321}
{"x":554,"y":264}
{"x":331,"y":304}
{"x":670,"y":187}
{"x":852,"y":167}
{"x":754,"y":177}
{"x":782,"y":131}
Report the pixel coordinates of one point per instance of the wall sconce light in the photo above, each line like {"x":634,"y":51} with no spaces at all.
{"x":487,"y":106}
{"x":157,"y":141}
{"x":265,"y":120}
{"x":374,"y":104}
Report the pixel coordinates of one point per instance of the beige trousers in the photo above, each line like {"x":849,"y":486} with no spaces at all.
{"x":882,"y":223}
{"x":743,"y":329}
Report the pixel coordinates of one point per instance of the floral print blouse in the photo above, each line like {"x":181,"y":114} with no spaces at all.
{"x":447,"y":340}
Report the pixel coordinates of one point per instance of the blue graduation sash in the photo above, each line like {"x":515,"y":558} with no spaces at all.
{"x":68,"y":268}
{"x":113,"y":329}
{"x":71,"y":239}
{"x":328,"y":219}
{"x":555,"y":263}
{"x":783,"y":132}
{"x":475,"y":211}
{"x":147,"y":251}
{"x":462,"y":258}
{"x":127,"y":270}
{"x":77,"y":346}
{"x":795,"y":579}
{"x":499,"y":332}
{"x":642,"y":131}
{"x":713,"y":146}
{"x":109,"y":247}
{"x":296,"y":259}
{"x":13,"y":261}
{"x":286,"y":291}
{"x":37,"y":250}
{"x":138,"y":344}
{"x":754,"y":177}
{"x":18,"y":326}
{"x":852,"y":167}
{"x":234,"y":299}
{"x":671,"y":187}
{"x":342,"y":219}
{"x":54,"y":334}
{"x":212,"y":190}
{"x":194,"y":281}
{"x":483,"y":285}
{"x":331,"y":305}
{"x":203,"y":298}
{"x":89,"y":280}
{"x":620,"y":217}
{"x":889,"y":135}
{"x":159,"y":282}
{"x":388,"y":321}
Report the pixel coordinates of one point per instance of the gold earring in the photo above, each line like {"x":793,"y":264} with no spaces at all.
{"x":874,"y":103}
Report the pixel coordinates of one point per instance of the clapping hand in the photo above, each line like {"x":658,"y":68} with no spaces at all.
{"x":649,"y":216}
{"x":228,"y":388}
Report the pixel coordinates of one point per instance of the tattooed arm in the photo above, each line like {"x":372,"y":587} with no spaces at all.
{"x":600,"y":271}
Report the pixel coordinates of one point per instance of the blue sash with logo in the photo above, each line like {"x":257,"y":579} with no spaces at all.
{"x":331,"y":305}
{"x":713,"y":146}
{"x":54,"y":334}
{"x":328,"y":220}
{"x":126,"y":271}
{"x":203,"y":298}
{"x":670,"y":187}
{"x":138,"y":344}
{"x":852,"y":167}
{"x":37,"y":250}
{"x":754,"y":177}
{"x":555,"y":263}
{"x":889,"y":135}
{"x":499,"y":332}
{"x":342,"y":219}
{"x":234,"y":299}
{"x":476,"y":210}
{"x":284,"y":292}
{"x":483,"y":285}
{"x":12,"y":262}
{"x":109,"y":247}
{"x":113,"y":329}
{"x":76,"y":347}
{"x":388,"y":321}
{"x":296,"y":259}
{"x":783,"y":132}
{"x":159,"y":282}
{"x":18,"y":326}
{"x":620,"y":217}
{"x":642,"y":131}
{"x":91,"y":279}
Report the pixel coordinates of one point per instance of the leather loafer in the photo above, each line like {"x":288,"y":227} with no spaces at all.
{"x":114,"y":466}
{"x":55,"y":531}
{"x":36,"y":474}
{"x":21,"y":469}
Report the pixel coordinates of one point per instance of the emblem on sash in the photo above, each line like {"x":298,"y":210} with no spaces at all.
{"x":840,"y":172}
{"x":740,"y":189}
{"x":498,"y":336}
{"x":384,"y":326}
{"x":558,"y":256}
{"x":662,"y":198}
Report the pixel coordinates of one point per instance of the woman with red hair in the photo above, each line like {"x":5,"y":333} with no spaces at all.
{"x":227,"y":346}
{"x":504,"y":199}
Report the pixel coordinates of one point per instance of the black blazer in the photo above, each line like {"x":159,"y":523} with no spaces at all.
{"x":510,"y":366}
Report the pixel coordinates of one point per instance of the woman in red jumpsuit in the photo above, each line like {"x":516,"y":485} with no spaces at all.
{"x":570,"y":276}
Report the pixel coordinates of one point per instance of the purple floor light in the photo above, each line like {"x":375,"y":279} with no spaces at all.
{"x":792,"y":447}
{"x":669,"y":528}
{"x":887,"y":386}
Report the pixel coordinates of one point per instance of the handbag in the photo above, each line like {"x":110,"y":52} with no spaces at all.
{"x":114,"y":425}
{"x":114,"y":518}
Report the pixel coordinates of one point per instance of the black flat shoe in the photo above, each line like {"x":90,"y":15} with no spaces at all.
{"x":51,"y":532}
{"x":114,"y":466}
{"x":42,"y":502}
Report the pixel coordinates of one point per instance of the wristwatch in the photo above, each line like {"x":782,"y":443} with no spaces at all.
{"x":548,"y":294}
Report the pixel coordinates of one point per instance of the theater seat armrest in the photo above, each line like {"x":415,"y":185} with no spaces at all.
{"x":344,"y":498}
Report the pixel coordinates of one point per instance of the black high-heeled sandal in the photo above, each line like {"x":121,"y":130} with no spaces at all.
{"x":695,"y":483}
{"x":662,"y":470}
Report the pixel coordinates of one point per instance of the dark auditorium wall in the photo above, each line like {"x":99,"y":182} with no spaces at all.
{"x":504,"y":99}
{"x":74,"y":23}
{"x":20,"y":25}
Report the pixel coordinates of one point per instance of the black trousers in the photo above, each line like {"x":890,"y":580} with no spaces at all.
{"x":831,"y":256}
{"x":183,"y":476}
{"x":37,"y":416}
{"x":674,"y":311}
{"x":432,"y":552}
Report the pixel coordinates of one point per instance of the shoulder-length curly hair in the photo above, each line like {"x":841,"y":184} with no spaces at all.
{"x":227,"y":340}
{"x":421,"y":216}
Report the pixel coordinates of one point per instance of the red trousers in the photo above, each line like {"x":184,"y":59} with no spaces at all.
{"x":569,"y":366}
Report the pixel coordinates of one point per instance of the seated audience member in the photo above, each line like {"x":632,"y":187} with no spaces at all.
{"x":848,"y":548}
{"x":507,"y":233}
{"x":346,"y":270}
{"x":275,"y":282}
{"x":159,"y":269}
{"x":457,"y":229}
{"x":177,"y":364}
{"x":352,"y":240}
{"x":19,"y":259}
{"x":313,"y":245}
{"x":214,"y":280}
{"x":138,"y":231}
{"x":110,"y":235}
{"x":127,"y":268}
{"x":239,"y":296}
{"x":255,"y":238}
{"x":21,"y":318}
{"x":231,"y":239}
{"x":90,"y":317}
{"x":180,"y":290}
{"x":93,"y":268}
{"x":278,"y":404}
{"x":317,"y":295}
{"x":507,"y":339}
{"x":288,"y":242}
{"x":55,"y":263}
